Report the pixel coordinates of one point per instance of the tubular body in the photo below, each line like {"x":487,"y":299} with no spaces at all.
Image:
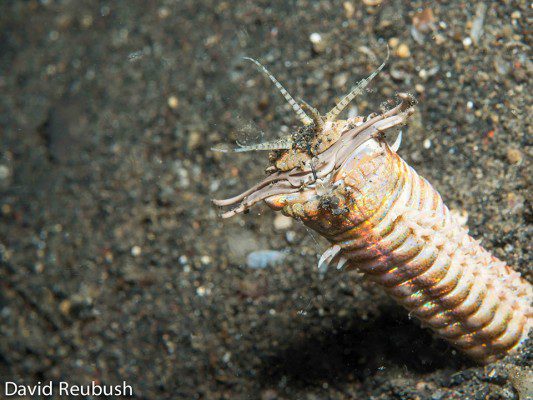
{"x":391,"y":224}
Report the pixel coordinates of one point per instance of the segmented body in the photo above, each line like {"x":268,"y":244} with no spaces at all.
{"x":382,"y":218}
{"x":391,"y":224}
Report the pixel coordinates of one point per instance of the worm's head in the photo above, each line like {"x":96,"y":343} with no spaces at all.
{"x":304,"y":166}
{"x":308,"y":142}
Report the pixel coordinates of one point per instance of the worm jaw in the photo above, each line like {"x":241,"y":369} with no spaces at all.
{"x":316,"y":157}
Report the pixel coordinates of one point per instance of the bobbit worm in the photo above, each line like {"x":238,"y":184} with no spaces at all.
{"x":342,"y":179}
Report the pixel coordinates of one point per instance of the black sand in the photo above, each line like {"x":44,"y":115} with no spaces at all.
{"x":114,"y":264}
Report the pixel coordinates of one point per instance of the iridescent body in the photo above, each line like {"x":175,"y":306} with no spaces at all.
{"x":392,"y":225}
{"x":382,"y":218}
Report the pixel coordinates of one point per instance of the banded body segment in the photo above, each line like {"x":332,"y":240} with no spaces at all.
{"x":382,"y":218}
{"x":410,"y":244}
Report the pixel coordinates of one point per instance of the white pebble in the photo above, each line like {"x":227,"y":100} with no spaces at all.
{"x":290,"y":236}
{"x":136,"y":251}
{"x":318,"y":42}
{"x":315,"y":37}
{"x":4,"y":172}
{"x":203,"y":291}
{"x":264,"y":258}
{"x":226,"y":357}
{"x":281,"y":222}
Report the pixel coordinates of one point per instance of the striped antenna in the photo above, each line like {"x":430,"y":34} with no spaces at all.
{"x":279,"y":144}
{"x":315,"y":116}
{"x":302,"y":116}
{"x":358,"y":89}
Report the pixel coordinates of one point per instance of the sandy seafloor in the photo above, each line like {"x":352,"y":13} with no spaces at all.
{"x":115,"y":265}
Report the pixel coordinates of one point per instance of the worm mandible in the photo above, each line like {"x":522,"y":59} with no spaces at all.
{"x":341,"y":178}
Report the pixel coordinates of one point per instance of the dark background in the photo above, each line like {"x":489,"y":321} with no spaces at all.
{"x":115,"y":266}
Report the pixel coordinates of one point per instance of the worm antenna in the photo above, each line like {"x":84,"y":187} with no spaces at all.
{"x":280,"y":144}
{"x":302,"y":116}
{"x":358,"y":89}
{"x":315,"y":116}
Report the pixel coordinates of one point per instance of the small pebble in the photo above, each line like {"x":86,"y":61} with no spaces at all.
{"x":516,"y":15}
{"x":315,"y":37}
{"x":203,"y":291}
{"x":438,"y":395}
{"x":6,"y":209}
{"x":394,"y":42}
{"x":515,"y":202}
{"x":108,"y":256}
{"x":467,"y":42}
{"x":135,"y":55}
{"x":514,"y":156}
{"x":476,"y":28}
{"x":195,"y":139}
{"x":38,"y":267}
{"x":173,"y":102}
{"x":290,"y":236}
{"x":403,"y":51}
{"x":423,"y":386}
{"x":427,"y":143}
{"x":340,"y":80}
{"x":372,"y":3}
{"x":226,"y":357}
{"x":440,"y":39}
{"x":65,"y":307}
{"x":501,"y":66}
{"x":420,"y":88}
{"x":318,"y":42}
{"x":264,"y":258}
{"x":163,"y":12}
{"x":4,"y":172}
{"x":136,"y":251}
{"x":424,"y":21}
{"x":87,"y":21}
{"x":269,"y":394}
{"x":349,"y":9}
{"x":104,"y":11}
{"x":281,"y":222}
{"x":205,"y":260}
